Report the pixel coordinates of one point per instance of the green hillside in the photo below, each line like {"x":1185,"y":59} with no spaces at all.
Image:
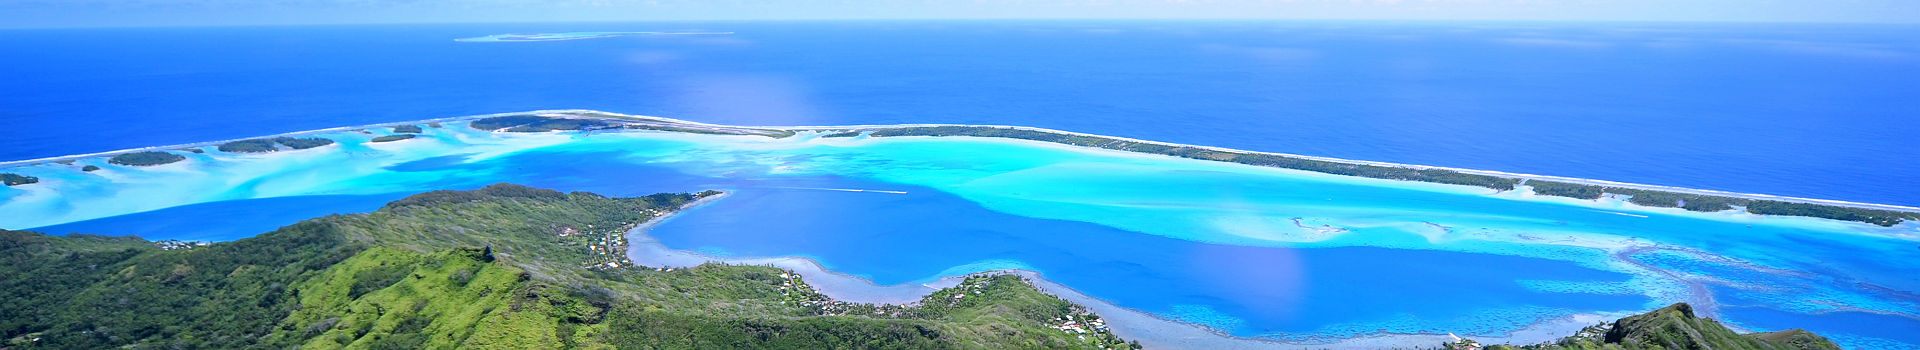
{"x":501,"y":267}
{"x":508,"y":266}
{"x":1673,"y":328}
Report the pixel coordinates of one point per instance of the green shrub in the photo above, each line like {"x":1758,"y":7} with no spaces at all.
{"x":248,"y":146}
{"x":145,"y":158}
{"x":12,"y":179}
{"x":302,"y":142}
{"x":391,"y":138}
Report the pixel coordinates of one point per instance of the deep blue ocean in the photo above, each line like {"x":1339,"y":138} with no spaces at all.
{"x":1822,"y":111}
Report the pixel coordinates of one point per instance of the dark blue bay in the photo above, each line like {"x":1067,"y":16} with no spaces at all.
{"x":902,"y":238}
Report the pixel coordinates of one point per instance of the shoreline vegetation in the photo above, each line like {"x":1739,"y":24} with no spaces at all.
{"x":147,"y":158}
{"x":391,"y":138}
{"x":269,"y":145}
{"x":1644,"y":195}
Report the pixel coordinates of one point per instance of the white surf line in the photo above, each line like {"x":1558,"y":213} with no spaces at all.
{"x":1620,"y":213}
{"x":619,"y":116}
{"x":839,"y":189}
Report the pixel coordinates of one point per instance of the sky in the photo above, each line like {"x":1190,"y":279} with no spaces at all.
{"x":137,"y":13}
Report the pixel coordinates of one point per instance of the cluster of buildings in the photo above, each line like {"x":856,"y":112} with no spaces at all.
{"x":174,"y":244}
{"x":609,"y":249}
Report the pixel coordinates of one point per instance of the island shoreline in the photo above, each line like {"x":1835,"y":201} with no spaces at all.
{"x":601,"y":115}
{"x":1153,"y":331}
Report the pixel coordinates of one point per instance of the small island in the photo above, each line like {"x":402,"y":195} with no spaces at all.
{"x":12,"y":179}
{"x":269,"y":145}
{"x":407,"y":129}
{"x":147,"y":158}
{"x":391,"y":138}
{"x":302,"y":142}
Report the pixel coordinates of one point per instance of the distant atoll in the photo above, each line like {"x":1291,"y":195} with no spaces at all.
{"x":573,"y":36}
{"x":592,"y":121}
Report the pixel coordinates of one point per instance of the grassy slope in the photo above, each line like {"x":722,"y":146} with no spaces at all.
{"x":1676,"y":327}
{"x":470,"y":269}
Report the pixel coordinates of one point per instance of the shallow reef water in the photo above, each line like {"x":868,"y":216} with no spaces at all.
{"x":1251,"y":251}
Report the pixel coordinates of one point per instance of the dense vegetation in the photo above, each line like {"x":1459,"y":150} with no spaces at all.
{"x":145,"y":158}
{"x":1672,"y":327}
{"x":268,"y":145}
{"x":90,"y":168}
{"x":501,"y":267}
{"x":407,"y":129}
{"x":1710,"y":203}
{"x":248,"y":146}
{"x":531,"y":123}
{"x":12,"y":179}
{"x":302,"y":142}
{"x":391,"y":138}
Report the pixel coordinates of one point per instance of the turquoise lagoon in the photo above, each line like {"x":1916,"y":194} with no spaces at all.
{"x":1254,"y":252}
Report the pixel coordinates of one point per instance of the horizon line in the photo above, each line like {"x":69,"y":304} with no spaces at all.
{"x":984,"y":19}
